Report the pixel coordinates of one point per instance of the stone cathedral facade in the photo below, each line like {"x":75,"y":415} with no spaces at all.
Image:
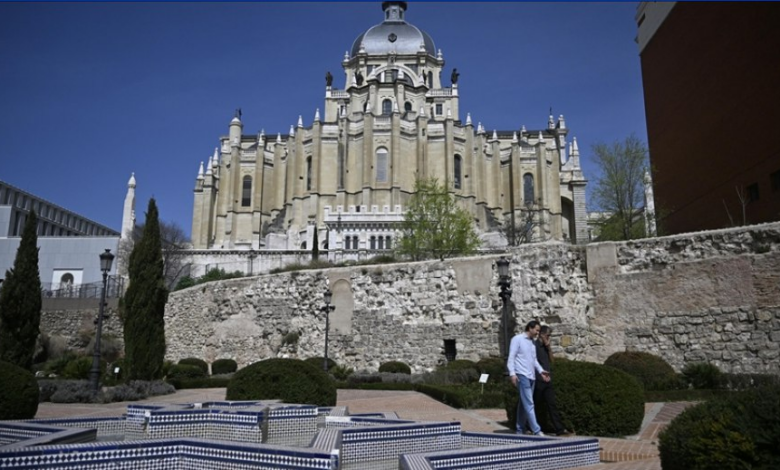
{"x":349,"y":175}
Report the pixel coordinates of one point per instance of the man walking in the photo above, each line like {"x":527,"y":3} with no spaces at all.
{"x":543,"y":390}
{"x":523,"y":366}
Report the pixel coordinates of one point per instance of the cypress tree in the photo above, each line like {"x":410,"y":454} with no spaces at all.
{"x":144,"y":304}
{"x":20,"y":301}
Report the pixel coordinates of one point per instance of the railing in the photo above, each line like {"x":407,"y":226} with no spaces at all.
{"x":439,"y":92}
{"x":115,"y":288}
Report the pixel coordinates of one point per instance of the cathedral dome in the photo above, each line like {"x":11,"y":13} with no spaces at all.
{"x":394,"y":34}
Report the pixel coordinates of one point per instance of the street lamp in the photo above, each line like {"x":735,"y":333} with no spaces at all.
{"x":94,"y":374}
{"x":505,"y":283}
{"x":326,"y":309}
{"x":252,"y":255}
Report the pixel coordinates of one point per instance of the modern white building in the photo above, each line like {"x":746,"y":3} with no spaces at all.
{"x":70,"y":244}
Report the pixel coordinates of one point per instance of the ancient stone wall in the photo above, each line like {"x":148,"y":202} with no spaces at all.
{"x":710,"y":296}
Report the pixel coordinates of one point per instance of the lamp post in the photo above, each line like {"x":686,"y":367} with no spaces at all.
{"x":106,"y":259}
{"x":252,"y":255}
{"x":326,"y":309}
{"x":505,"y":283}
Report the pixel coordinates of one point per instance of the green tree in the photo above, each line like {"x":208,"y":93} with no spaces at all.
{"x":144,"y":304}
{"x":434,"y":226}
{"x":620,"y":189}
{"x":20,"y":301}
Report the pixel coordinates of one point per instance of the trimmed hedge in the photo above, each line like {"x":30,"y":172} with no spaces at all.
{"x":653,"y":372}
{"x":460,"y":364}
{"x":223,"y":366}
{"x":593,"y":399}
{"x":319,"y":360}
{"x":702,"y":375}
{"x":194,"y":361}
{"x":395,"y":367}
{"x":18,"y":392}
{"x":493,"y":366}
{"x":735,"y":431}
{"x":185,"y":371}
{"x":289,"y":380}
{"x":199,"y":382}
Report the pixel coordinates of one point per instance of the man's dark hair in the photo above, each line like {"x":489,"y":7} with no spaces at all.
{"x":531,"y":325}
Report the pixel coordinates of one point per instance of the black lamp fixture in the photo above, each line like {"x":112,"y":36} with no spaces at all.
{"x":106,"y":260}
{"x":326,"y":309}
{"x":505,"y":283}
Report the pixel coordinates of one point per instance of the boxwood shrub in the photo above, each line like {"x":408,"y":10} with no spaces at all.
{"x":396,"y":367}
{"x":223,"y":366}
{"x":738,"y":430}
{"x":653,"y":372}
{"x":194,"y":361}
{"x":288,"y":380}
{"x":702,"y":375}
{"x":593,"y":399}
{"x":495,"y":367}
{"x":319,"y":360}
{"x":18,"y":392}
{"x":185,"y":371}
{"x":460,"y":364}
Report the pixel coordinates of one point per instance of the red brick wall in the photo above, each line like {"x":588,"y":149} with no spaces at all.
{"x":711,"y":78}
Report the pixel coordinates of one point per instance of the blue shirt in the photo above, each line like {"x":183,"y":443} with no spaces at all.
{"x":522,"y":357}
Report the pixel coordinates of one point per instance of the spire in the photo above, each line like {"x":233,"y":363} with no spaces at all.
{"x":541,"y":138}
{"x":317,"y":115}
{"x":300,"y":121}
{"x":561,"y":122}
{"x":292,"y":131}
{"x":346,"y":55}
{"x":278,"y":138}
{"x":468,"y":119}
{"x":440,"y":56}
{"x":495,"y":135}
{"x":215,"y":158}
{"x":262,"y":134}
{"x":128,"y":213}
{"x":200,"y":171}
{"x":574,"y":157}
{"x":514,"y":137}
{"x":550,"y":121}
{"x":209,"y":165}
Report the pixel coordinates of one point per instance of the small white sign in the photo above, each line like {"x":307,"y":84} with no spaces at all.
{"x":116,"y":370}
{"x":483,"y":378}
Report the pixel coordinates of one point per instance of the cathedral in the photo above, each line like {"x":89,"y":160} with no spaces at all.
{"x":344,"y":181}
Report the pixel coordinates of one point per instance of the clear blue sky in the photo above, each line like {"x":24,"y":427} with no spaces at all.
{"x":90,"y":92}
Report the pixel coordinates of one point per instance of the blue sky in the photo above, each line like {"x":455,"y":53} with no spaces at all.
{"x":90,"y":92}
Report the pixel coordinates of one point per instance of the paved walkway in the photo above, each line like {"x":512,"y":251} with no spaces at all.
{"x":638,"y":452}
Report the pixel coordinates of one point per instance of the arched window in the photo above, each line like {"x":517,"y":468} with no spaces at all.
{"x":457,"y":171}
{"x":381,"y":165}
{"x":381,"y":242}
{"x":388,"y":243}
{"x":355,"y":245}
{"x":387,"y":107}
{"x":528,"y":189}
{"x":246,"y":192}
{"x":66,"y":279}
{"x":372,"y":241}
{"x":430,"y":79}
{"x":408,"y":106}
{"x":308,"y":174}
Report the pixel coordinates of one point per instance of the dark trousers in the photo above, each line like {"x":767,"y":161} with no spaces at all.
{"x":545,"y":393}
